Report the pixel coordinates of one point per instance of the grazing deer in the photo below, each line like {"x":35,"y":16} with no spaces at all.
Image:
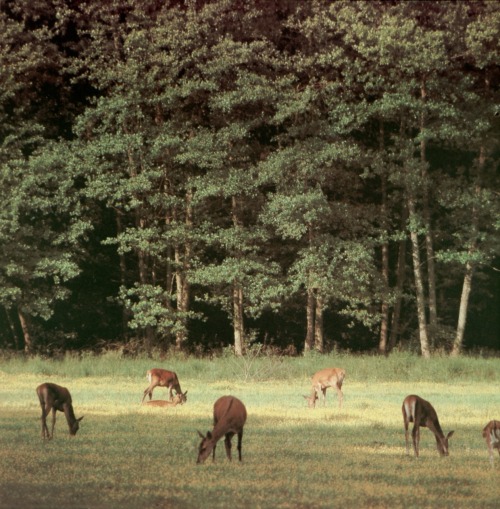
{"x":54,"y":397}
{"x":491,"y":433}
{"x":230,"y":415}
{"x":422,"y":414}
{"x":163,"y":378}
{"x":177,"y":400}
{"x":329,"y":377}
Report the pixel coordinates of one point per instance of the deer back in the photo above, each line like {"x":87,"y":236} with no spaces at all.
{"x":162,"y":377}
{"x":329,"y":377}
{"x":53,"y":396}
{"x":230,"y":415}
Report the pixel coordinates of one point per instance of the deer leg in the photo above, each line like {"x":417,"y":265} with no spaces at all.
{"x":323,"y":390}
{"x":45,"y":430}
{"x":240,"y":439}
{"x":340,"y":395}
{"x":170,"y":392}
{"x":53,"y":421}
{"x":227,"y":443}
{"x":149,"y":391}
{"x":406,"y":436}
{"x":416,"y":438}
{"x":213,"y":452}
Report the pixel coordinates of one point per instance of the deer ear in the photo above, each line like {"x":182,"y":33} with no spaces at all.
{"x":449,"y":434}
{"x":209,"y":435}
{"x":80,"y":418}
{"x":201,"y":434}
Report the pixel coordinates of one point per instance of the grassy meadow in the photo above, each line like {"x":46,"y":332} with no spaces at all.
{"x":131,"y":456}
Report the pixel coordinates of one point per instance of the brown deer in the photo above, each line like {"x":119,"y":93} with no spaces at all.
{"x":52,"y":398}
{"x":491,"y":433}
{"x":163,"y":378}
{"x":177,"y":400}
{"x":328,"y":377}
{"x":422,"y":414}
{"x":230,"y":416}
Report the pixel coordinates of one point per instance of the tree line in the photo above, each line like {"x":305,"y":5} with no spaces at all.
{"x":197,"y":174}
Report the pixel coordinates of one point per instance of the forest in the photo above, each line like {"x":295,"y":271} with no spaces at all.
{"x":288,"y":176}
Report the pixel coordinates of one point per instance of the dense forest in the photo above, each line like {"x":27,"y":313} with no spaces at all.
{"x":198,"y":175}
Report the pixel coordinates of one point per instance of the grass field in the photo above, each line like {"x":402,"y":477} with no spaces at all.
{"x":129,"y":456}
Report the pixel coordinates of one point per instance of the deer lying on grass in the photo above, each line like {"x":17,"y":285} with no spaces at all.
{"x":491,"y":433}
{"x":52,"y":398}
{"x":229,"y":418}
{"x":163,"y":378}
{"x":329,"y":377}
{"x":177,"y":400}
{"x":422,"y":414}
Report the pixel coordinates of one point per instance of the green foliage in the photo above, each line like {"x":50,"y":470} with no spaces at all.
{"x":202,"y":148}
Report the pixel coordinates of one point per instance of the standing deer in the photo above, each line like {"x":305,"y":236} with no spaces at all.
{"x":177,"y":400}
{"x":163,"y":378}
{"x":54,"y":397}
{"x":230,"y":415}
{"x":422,"y":414}
{"x":491,"y":433}
{"x":329,"y":377}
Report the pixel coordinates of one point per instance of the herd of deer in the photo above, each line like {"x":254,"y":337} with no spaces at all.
{"x":230,"y":413}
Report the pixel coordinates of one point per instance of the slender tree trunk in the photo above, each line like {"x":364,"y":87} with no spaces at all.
{"x":183,"y":287}
{"x":238,"y":325}
{"x":469,"y":269}
{"x":384,"y":321}
{"x":28,"y":340}
{"x":400,"y":279}
{"x":123,"y":274}
{"x":429,"y":241}
{"x":310,"y":314}
{"x":318,"y":323}
{"x":419,"y":286}
{"x":462,"y":315}
{"x":12,"y":327}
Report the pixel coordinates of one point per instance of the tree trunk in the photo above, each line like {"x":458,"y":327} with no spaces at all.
{"x":28,"y":340}
{"x":310,"y":314}
{"x":384,"y":321}
{"x":318,"y":324}
{"x":12,"y":327}
{"x":419,"y":286}
{"x":462,"y":315}
{"x":123,"y":275}
{"x":238,"y":320}
{"x":469,"y":270}
{"x":400,"y":279}
{"x":183,"y":264}
{"x":238,"y":325}
{"x":429,"y":241}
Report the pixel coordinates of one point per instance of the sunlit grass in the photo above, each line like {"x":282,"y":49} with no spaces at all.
{"x":131,"y":456}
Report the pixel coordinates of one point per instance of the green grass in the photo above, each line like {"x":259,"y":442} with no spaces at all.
{"x":128,"y":456}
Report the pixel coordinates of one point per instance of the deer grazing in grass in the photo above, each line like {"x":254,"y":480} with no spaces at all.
{"x":163,"y":378}
{"x":52,"y":398}
{"x":329,"y":377}
{"x":422,"y":414}
{"x":177,"y":400}
{"x":491,"y":433}
{"x":230,"y":416}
